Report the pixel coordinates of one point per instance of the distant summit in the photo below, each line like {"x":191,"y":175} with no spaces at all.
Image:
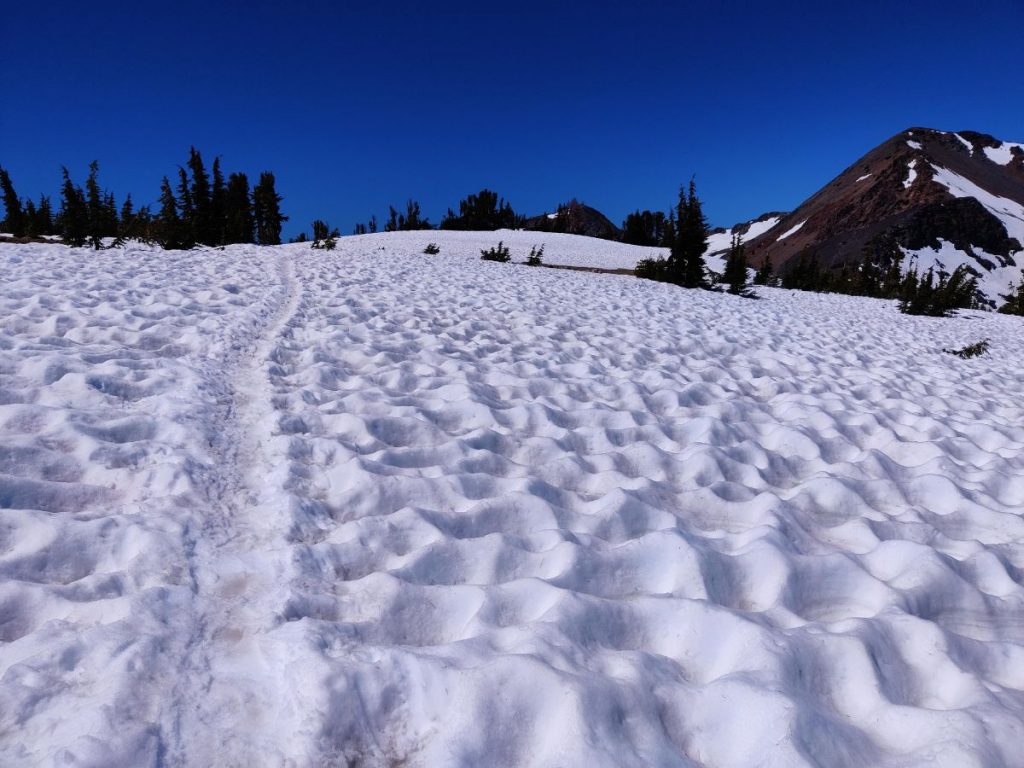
{"x":945,"y":199}
{"x":575,"y":218}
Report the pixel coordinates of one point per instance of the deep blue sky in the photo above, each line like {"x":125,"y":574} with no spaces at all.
{"x":358,"y":105}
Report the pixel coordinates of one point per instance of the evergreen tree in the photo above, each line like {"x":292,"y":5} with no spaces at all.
{"x":238,"y":213}
{"x":644,"y":228}
{"x":765,"y":274}
{"x":373,"y":224}
{"x":736,"y":268}
{"x":218,"y":209}
{"x":14,"y":222}
{"x":267,"y":211}
{"x":200,"y":196}
{"x":186,"y":211}
{"x":171,"y":231}
{"x":1015,"y":299}
{"x":483,"y":211}
{"x":686,"y":262}
{"x":74,"y":215}
{"x":94,"y":204}
{"x":30,"y":219}
{"x":44,"y":216}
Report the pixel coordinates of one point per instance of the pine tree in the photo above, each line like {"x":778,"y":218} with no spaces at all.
{"x":736,"y":267}
{"x":483,"y":211}
{"x":686,"y":262}
{"x":74,"y":215}
{"x":267,"y":211}
{"x":186,"y":211}
{"x":1015,"y":299}
{"x":199,"y":194}
{"x":15,"y":218}
{"x":765,"y":274}
{"x":218,"y":210}
{"x":44,"y":216}
{"x":94,"y":205}
{"x":171,"y":230}
{"x":238,"y":213}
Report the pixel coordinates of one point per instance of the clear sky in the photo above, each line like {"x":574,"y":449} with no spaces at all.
{"x":358,"y":105}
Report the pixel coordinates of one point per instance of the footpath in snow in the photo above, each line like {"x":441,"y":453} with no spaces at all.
{"x":276,"y":506}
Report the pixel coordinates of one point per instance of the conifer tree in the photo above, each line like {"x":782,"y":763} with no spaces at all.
{"x":74,"y":215}
{"x":686,"y":262}
{"x":186,"y":230}
{"x":238,"y":210}
{"x":171,"y":230}
{"x":94,"y":203}
{"x":199,"y":195}
{"x":736,"y":267}
{"x":1015,"y":299}
{"x":267,"y":211}
{"x":765,"y":274}
{"x":14,"y":222}
{"x":218,"y":224}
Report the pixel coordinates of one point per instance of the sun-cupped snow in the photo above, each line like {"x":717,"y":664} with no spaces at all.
{"x":1003,"y":154}
{"x":911,"y":174}
{"x":1009,"y":212}
{"x":791,"y":231}
{"x":279,"y":506}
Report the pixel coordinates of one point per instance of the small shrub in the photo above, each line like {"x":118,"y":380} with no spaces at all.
{"x":324,"y":238}
{"x":652,"y":269}
{"x":499,"y":253}
{"x":432,"y":249}
{"x":971,"y":350}
{"x":534,"y":260}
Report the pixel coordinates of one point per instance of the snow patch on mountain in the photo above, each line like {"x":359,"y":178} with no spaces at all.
{"x":911,"y":174}
{"x":914,"y":145}
{"x":994,"y":283}
{"x":865,"y":176}
{"x":1009,"y":212}
{"x":965,"y":142}
{"x":791,"y":231}
{"x":1003,"y":154}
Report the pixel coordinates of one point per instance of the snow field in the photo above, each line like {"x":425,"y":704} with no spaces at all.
{"x":391,"y":508}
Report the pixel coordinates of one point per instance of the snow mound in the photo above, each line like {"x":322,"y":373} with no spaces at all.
{"x":374,"y":507}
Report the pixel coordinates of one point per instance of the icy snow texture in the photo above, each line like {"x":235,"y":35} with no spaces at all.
{"x":791,"y":231}
{"x":373,"y":507}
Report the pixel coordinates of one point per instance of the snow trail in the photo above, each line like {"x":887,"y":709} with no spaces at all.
{"x":229,"y":701}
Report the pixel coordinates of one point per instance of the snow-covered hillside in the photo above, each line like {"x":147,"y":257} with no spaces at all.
{"x":369,"y":507}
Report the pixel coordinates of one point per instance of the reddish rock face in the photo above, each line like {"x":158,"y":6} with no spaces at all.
{"x":892,"y":190}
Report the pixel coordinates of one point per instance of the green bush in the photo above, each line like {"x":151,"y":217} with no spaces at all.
{"x":499,"y":253}
{"x":432,"y":249}
{"x":534,"y":260}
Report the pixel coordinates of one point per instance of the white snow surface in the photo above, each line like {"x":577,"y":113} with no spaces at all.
{"x":865,"y":176}
{"x":914,"y":144}
{"x":1009,"y":212}
{"x":791,"y":231}
{"x":1002,"y":154}
{"x":278,"y":506}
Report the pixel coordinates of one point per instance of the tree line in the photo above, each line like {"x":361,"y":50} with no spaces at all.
{"x":202,"y":208}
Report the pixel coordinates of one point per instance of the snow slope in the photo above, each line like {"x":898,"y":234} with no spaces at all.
{"x":371,"y":507}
